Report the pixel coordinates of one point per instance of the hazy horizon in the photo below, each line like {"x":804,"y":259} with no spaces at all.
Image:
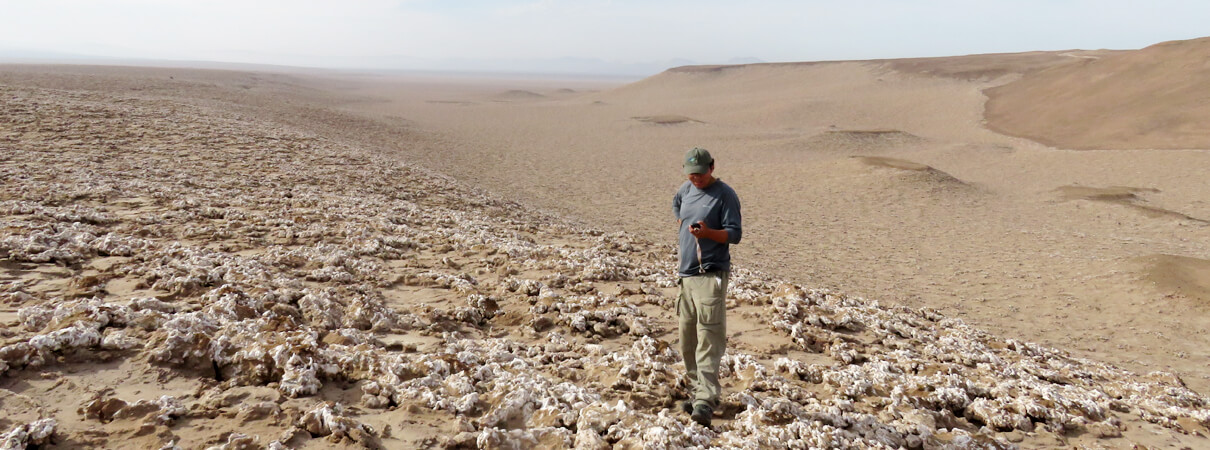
{"x":594,"y":36}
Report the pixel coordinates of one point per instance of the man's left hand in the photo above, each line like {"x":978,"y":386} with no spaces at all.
{"x":706,"y":232}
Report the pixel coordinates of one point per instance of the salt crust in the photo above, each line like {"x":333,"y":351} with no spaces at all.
{"x":162,"y":411}
{"x":32,"y":434}
{"x":308,"y":309}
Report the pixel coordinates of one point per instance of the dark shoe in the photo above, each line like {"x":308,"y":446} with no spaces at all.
{"x":702,"y":414}
{"x":687,"y":406}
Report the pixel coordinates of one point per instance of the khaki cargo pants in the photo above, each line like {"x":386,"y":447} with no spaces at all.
{"x":702,"y":309}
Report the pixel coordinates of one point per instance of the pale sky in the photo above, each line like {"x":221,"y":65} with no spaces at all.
{"x":366,"y":33}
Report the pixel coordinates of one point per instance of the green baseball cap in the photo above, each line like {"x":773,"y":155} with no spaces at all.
{"x":697,"y":160}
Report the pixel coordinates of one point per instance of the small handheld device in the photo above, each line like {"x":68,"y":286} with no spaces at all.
{"x":696,"y":226}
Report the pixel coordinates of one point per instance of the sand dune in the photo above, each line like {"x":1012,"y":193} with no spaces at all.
{"x":1151,"y":98}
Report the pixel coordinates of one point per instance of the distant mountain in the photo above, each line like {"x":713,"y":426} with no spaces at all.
{"x":563,"y":65}
{"x":744,"y":60}
{"x":559,"y":66}
{"x":22,"y":55}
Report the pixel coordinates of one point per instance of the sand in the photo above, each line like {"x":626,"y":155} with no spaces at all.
{"x":205,"y":258}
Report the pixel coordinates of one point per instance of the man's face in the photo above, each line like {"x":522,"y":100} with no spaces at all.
{"x":701,"y":180}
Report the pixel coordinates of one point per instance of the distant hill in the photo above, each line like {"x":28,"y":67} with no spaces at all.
{"x":266,"y":61}
{"x":22,"y":55}
{"x":1157,"y":97}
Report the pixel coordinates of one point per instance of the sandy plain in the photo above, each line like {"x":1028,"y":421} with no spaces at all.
{"x":313,"y":259}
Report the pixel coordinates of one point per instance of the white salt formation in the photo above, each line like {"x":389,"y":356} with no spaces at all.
{"x":32,"y":434}
{"x":253,"y":286}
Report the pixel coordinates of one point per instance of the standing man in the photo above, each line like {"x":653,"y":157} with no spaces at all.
{"x":707,"y":212}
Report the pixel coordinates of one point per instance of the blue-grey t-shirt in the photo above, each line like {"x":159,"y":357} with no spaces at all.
{"x":718,"y":206}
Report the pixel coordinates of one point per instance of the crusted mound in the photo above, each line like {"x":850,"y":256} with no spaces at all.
{"x":519,"y":94}
{"x":668,"y":119}
{"x":1122,"y":195}
{"x":190,"y":277}
{"x":910,"y":177}
{"x":894,"y":163}
{"x":1181,"y":275}
{"x":860,"y":141}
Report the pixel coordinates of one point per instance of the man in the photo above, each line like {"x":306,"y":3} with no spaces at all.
{"x":707,"y":212}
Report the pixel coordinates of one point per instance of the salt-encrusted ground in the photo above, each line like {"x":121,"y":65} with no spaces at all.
{"x":179,"y":276}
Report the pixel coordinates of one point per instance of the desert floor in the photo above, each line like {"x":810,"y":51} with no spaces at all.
{"x":148,"y":210}
{"x":868,"y":178}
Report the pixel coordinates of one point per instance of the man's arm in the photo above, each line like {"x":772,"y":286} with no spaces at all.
{"x":676,"y":206}
{"x":731,"y":220}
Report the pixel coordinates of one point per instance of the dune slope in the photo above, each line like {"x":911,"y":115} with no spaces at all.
{"x":1151,"y":98}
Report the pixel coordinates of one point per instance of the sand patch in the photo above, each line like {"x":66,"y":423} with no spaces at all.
{"x":1180,"y":275}
{"x":667,"y":119}
{"x":1122,"y":195}
{"x":18,"y":409}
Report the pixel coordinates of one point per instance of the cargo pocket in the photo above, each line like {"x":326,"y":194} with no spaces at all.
{"x":712,"y":312}
{"x":684,"y":307}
